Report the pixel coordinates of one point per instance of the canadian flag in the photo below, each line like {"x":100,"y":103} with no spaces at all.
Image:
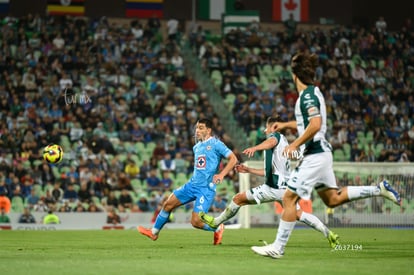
{"x":283,"y":8}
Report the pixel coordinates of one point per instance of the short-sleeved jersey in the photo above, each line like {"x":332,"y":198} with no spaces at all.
{"x":309,"y":104}
{"x":277,"y":166}
{"x":207,"y":157}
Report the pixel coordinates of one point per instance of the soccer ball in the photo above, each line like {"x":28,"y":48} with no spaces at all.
{"x":53,"y":153}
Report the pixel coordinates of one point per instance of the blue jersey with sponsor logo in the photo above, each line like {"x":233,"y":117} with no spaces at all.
{"x":207,"y":157}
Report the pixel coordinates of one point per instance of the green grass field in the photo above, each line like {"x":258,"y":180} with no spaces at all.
{"x":190,"y":251}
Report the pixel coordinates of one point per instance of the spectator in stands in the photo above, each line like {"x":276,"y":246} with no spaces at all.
{"x":124,"y":182}
{"x":290,"y":25}
{"x":153,"y":182}
{"x":57,"y":192}
{"x":159,"y":151}
{"x":93,"y":208}
{"x":166,"y":181}
{"x":358,"y":73}
{"x":172,"y":29}
{"x":76,"y":132}
{"x":189,"y":84}
{"x":154,"y":23}
{"x":177,"y":61}
{"x":125,"y":198}
{"x":167,"y":164}
{"x":143,"y":204}
{"x":131,"y":169}
{"x":219,"y":205}
{"x":125,"y":133}
{"x":84,"y":194}
{"x":79,"y":207}
{"x":65,"y":207}
{"x":112,"y":217}
{"x":144,"y":170}
{"x":381,"y":25}
{"x":41,"y":206}
{"x":356,"y":152}
{"x":26,"y":216}
{"x":112,"y":200}
{"x":32,"y":199}
{"x":70,"y":193}
{"x":180,"y":163}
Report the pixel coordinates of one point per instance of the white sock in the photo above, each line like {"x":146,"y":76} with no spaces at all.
{"x":283,"y":234}
{"x":314,"y":222}
{"x":361,"y":192}
{"x":230,"y":211}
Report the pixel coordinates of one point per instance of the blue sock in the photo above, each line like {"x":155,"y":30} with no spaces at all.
{"x":162,"y":219}
{"x":208,"y":228}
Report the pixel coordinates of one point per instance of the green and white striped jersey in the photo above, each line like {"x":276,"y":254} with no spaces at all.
{"x":277,"y":166}
{"x":311,"y":103}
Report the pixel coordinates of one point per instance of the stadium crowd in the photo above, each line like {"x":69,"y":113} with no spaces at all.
{"x":122,"y":103}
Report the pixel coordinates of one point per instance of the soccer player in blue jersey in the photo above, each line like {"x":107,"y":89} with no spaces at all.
{"x":276,"y":173}
{"x":315,"y":168}
{"x":201,"y":188}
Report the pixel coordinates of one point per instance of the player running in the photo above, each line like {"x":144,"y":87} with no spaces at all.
{"x":276,"y":172}
{"x":315,"y":169}
{"x":208,"y":153}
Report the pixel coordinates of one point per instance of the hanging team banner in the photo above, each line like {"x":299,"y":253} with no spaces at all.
{"x":213,"y":9}
{"x":283,"y":8}
{"x":144,"y":8}
{"x":66,"y":7}
{"x":4,"y":6}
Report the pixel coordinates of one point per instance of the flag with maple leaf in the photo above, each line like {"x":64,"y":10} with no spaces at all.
{"x":283,"y":8}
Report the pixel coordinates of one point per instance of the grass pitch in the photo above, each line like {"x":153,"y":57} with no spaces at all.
{"x":190,"y":251}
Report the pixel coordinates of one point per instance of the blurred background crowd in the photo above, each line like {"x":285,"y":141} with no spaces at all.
{"x":122,"y":102}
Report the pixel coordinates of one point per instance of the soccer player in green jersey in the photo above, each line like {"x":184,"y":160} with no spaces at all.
{"x":315,"y":168}
{"x":276,"y":173}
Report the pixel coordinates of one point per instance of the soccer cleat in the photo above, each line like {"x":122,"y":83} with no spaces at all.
{"x":218,"y":234}
{"x":388,"y":192}
{"x":267,"y":251}
{"x":147,"y":232}
{"x":333,"y":239}
{"x":207,"y":219}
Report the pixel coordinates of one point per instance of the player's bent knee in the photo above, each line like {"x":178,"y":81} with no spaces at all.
{"x":289,"y":200}
{"x":238,"y":199}
{"x":196,"y":223}
{"x":332,"y":203}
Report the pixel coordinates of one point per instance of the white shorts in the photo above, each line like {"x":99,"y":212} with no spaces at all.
{"x":265,"y":193}
{"x":314,"y":172}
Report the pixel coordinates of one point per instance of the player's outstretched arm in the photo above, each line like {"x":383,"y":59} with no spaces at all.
{"x":267,"y":144}
{"x":278,"y":126}
{"x":240,"y":168}
{"x":232,"y":161}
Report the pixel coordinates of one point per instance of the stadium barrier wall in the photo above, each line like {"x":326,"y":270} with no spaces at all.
{"x":92,"y":221}
{"x":97,"y":221}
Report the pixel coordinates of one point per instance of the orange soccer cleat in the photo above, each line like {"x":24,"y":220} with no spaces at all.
{"x":147,"y":232}
{"x":218,"y":235}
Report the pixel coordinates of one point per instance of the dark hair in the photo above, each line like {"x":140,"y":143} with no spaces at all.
{"x":273,"y":119}
{"x":207,"y":122}
{"x":304,"y":65}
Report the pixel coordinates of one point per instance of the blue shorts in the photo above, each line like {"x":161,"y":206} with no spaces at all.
{"x":202,"y":195}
